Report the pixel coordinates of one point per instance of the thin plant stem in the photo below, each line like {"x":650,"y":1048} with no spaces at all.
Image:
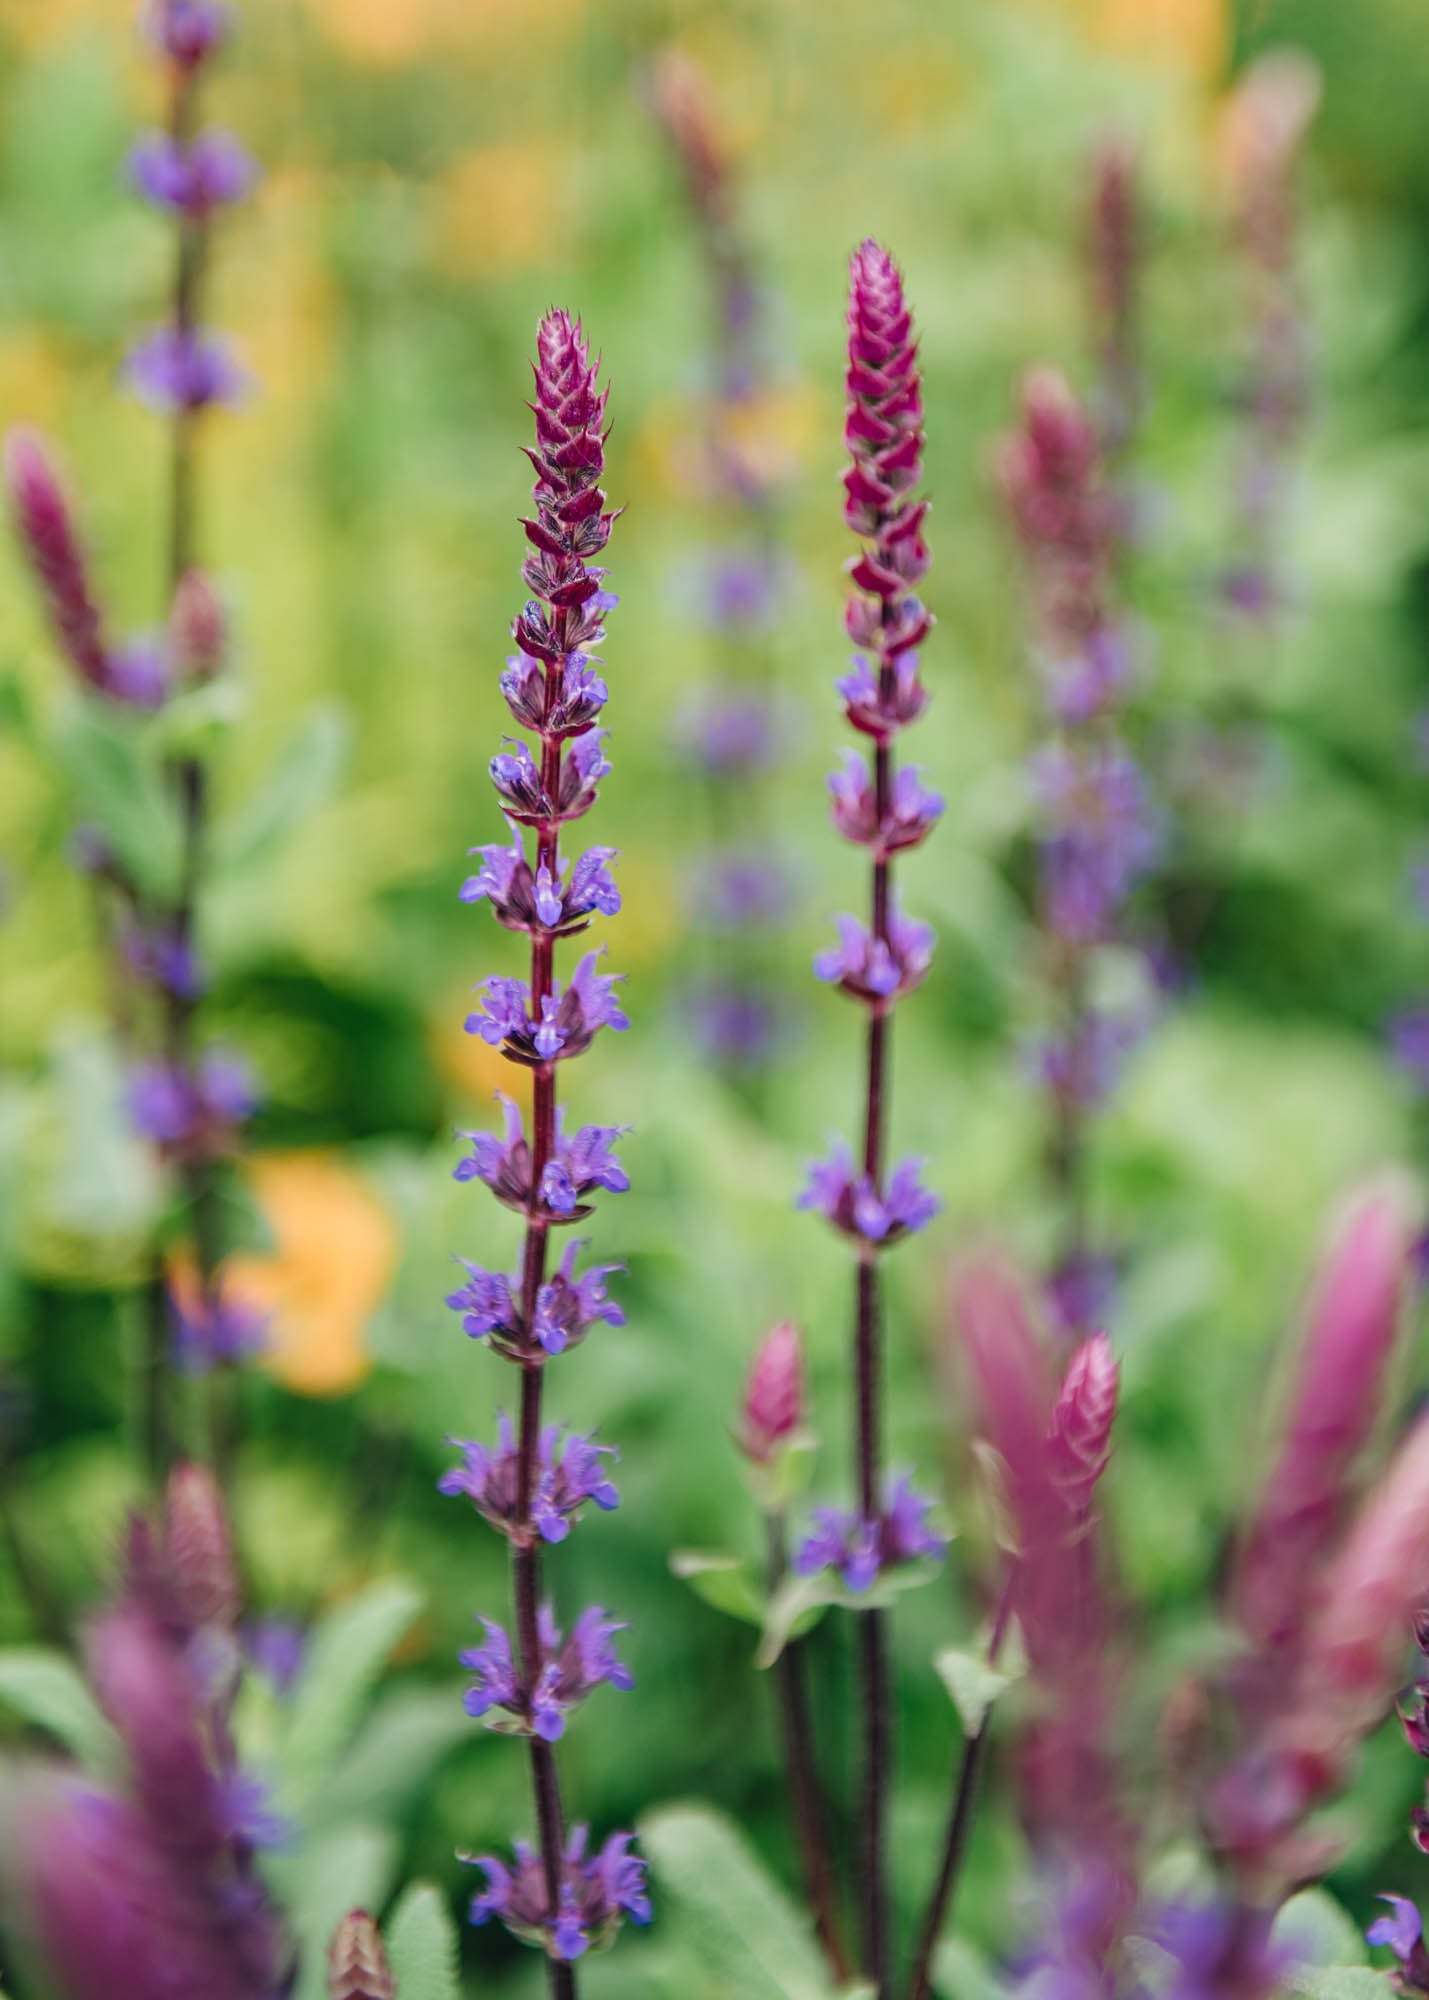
{"x":960,"y":1819}
{"x":806,"y":1800}
{"x":868,"y":1441}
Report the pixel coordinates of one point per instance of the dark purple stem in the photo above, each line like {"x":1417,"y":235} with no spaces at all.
{"x":873,"y":1638}
{"x":960,"y":1820}
{"x":805,"y":1793}
{"x":525,"y":1545}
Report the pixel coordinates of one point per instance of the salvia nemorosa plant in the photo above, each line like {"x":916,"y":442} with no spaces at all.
{"x":557,"y":1893}
{"x":1402,"y":1930}
{"x":882,"y":807}
{"x":729,"y":727}
{"x":186,"y":1100}
{"x":1270,"y":115}
{"x":147,"y":1885}
{"x":1100,"y":831}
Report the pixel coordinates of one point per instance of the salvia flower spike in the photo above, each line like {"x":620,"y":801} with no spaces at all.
{"x":1100,"y":831}
{"x":537,"y":1480}
{"x":884,"y":809}
{"x":188,"y":1104}
{"x":728,"y":727}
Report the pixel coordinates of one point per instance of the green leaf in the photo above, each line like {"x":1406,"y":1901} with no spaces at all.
{"x":345,"y":1657}
{"x":302,"y":779}
{"x":192,"y":723}
{"x":48,"y":1693}
{"x":974,"y":1683}
{"x":798,"y":1604}
{"x":120,"y":788}
{"x":421,"y":1944}
{"x":1339,"y":1982}
{"x":1319,"y":1932}
{"x":724,"y":1581}
{"x":347,"y":1869}
{"x":961,"y":1972}
{"x":744,"y":1926}
{"x":407,"y":1735}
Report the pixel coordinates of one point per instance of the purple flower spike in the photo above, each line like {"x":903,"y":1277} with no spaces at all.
{"x":566,"y":704}
{"x":873,"y":969}
{"x":862,"y":1550}
{"x":569,"y":1020}
{"x":188,"y":31}
{"x":44,"y":521}
{"x":524,"y":901}
{"x":191,"y":1113}
{"x":912,"y":812}
{"x":567,"y":1307}
{"x":880,"y":710}
{"x":216,"y":1331}
{"x":853,"y":1205}
{"x":214,"y":169}
{"x":570,"y":1472}
{"x":596,"y":1891}
{"x":582,"y":1162}
{"x":173,"y":371}
{"x":1402,"y":1932}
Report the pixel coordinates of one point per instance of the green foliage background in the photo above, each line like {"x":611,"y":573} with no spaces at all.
{"x":423,"y":206}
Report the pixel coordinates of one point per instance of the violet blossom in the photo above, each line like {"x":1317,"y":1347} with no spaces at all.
{"x":534,"y":1484}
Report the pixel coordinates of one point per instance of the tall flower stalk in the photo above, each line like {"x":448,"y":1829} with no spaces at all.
{"x":882,"y":808}
{"x":186,"y":1102}
{"x":728,"y":728}
{"x":535,"y":1480}
{"x":1099,"y":832}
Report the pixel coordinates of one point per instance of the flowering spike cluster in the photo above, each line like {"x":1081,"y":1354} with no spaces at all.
{"x":1269,"y":116}
{"x":1100,"y":831}
{"x":187,"y":1104}
{"x":728,"y":727}
{"x":1324,"y":1652}
{"x":357,"y":1967}
{"x":534,"y":1483}
{"x":1051,"y":1448}
{"x":885,"y":810}
{"x":151,"y":1888}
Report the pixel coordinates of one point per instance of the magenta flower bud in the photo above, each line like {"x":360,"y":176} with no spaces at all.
{"x":198,"y":627}
{"x":1349,"y":1339}
{"x":199,"y":1547}
{"x":1079,"y":1435}
{"x":357,"y":1967}
{"x":773,"y":1408}
{"x":45,"y":524}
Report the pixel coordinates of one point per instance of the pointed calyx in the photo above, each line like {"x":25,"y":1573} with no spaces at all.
{"x":357,"y":1967}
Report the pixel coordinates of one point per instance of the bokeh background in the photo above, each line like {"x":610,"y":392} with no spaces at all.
{"x":437,"y":172}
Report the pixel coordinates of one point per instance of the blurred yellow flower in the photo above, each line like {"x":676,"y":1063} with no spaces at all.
{"x":335,"y":1251}
{"x":32,"y":376}
{"x":770,"y":434}
{"x":500,"y":208}
{"x":386,"y":33}
{"x":1192,"y":36}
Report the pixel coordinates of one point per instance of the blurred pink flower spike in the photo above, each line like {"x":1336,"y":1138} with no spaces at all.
{"x":1348,"y":1343}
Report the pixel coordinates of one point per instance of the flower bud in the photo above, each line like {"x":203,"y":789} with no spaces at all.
{"x":357,"y":1967}
{"x":1079,"y":1434}
{"x":773,"y":1408}
{"x":199,"y":1546}
{"x":198,"y":627}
